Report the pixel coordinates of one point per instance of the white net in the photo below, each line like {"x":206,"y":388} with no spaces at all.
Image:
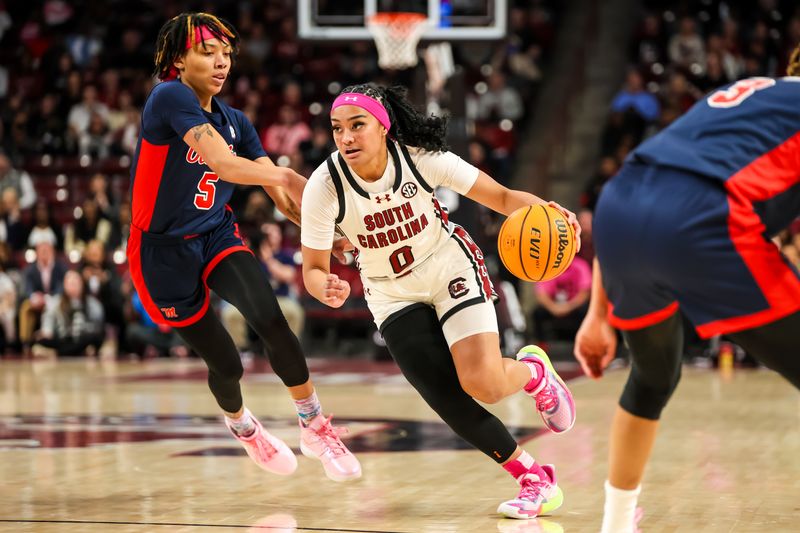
{"x":396,"y":37}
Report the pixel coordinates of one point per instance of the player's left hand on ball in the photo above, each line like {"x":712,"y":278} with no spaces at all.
{"x":336,"y":291}
{"x":573,"y":221}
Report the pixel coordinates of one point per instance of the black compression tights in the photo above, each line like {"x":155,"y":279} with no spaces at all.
{"x":239,"y":280}
{"x":656,"y":359}
{"x":417,"y":344}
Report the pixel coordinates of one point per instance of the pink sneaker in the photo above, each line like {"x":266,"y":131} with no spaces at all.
{"x":320,"y":440}
{"x":536,"y":496}
{"x":553,"y":399}
{"x":267,"y":451}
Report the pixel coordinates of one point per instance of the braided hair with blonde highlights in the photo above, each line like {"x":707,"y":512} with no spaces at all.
{"x":794,"y":62}
{"x":174,"y":35}
{"x":409,"y":126}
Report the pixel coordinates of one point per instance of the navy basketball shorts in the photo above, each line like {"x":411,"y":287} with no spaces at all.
{"x":668,"y":240}
{"x":170,"y":272}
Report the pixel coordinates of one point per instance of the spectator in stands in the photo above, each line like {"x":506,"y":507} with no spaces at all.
{"x":47,"y":127}
{"x":284,"y":137}
{"x":19,"y":180}
{"x":80,"y":116}
{"x":563,"y":302}
{"x":318,"y":147}
{"x":634,"y":99}
{"x":8,"y":302}
{"x":41,"y":279}
{"x":120,"y":229}
{"x":72,"y":323}
{"x":90,"y":224}
{"x":102,"y":281}
{"x":100,"y":192}
{"x":12,"y":228}
{"x":607,"y":168}
{"x":43,"y":223}
{"x":499,"y":101}
{"x":96,"y":140}
{"x":686,"y":48}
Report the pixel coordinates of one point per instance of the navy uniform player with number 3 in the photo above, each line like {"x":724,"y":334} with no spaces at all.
{"x":424,"y":278}
{"x":686,"y":224}
{"x":193,"y":149}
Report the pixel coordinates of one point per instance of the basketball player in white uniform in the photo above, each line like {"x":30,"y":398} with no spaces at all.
{"x":424,"y":278}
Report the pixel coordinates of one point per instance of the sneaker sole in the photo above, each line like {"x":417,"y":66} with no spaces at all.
{"x":538,"y":352}
{"x":547,"y":508}
{"x":332,"y":476}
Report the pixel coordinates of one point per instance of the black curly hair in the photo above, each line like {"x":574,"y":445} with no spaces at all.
{"x":409,"y":126}
{"x":174,"y":34}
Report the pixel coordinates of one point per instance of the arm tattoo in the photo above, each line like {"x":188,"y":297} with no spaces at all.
{"x":201,"y":129}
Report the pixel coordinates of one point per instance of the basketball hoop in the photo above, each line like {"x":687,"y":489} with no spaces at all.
{"x":396,"y":37}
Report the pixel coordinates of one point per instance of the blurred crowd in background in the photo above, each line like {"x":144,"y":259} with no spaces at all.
{"x":74,"y":76}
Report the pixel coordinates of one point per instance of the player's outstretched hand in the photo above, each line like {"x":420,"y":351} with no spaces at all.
{"x":595,"y":345}
{"x":336,"y":291}
{"x":573,"y":221}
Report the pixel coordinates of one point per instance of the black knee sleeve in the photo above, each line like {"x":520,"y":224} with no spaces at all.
{"x":425,"y":360}
{"x":239,"y":280}
{"x":655,"y":367}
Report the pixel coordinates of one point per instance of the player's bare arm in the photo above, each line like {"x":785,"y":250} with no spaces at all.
{"x":210,"y":145}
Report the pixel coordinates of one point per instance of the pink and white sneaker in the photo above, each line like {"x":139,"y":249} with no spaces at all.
{"x":536,"y":496}
{"x":267,"y":451}
{"x":553,"y":399}
{"x":320,"y":440}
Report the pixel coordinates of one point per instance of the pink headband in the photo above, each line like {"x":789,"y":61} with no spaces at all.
{"x":201,"y":33}
{"x":368,"y":103}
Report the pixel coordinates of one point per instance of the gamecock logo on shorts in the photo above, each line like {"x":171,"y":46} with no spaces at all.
{"x":458,"y":288}
{"x":408,"y":190}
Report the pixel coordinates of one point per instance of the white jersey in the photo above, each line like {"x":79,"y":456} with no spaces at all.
{"x":396,"y":222}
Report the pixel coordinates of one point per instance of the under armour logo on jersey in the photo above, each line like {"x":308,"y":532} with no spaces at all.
{"x":386,"y":197}
{"x":351,"y":98}
{"x":233,"y":132}
{"x":169,"y":312}
{"x":408,"y":190}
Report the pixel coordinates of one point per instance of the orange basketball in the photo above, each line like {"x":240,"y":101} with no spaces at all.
{"x":536,"y":243}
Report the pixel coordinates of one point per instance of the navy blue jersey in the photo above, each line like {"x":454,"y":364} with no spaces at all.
{"x":730,"y":129}
{"x":173,"y":191}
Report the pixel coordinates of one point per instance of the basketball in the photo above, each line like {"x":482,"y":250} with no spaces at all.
{"x":536,"y":243}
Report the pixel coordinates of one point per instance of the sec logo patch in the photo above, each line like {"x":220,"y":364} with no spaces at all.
{"x":408,"y":190}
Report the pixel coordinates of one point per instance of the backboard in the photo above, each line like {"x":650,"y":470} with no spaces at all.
{"x":448,"y":20}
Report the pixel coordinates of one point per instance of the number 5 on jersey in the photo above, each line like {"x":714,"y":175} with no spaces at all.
{"x":738,"y":92}
{"x":207,"y":188}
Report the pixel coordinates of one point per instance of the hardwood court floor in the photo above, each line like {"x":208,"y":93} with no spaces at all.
{"x":89,"y":446}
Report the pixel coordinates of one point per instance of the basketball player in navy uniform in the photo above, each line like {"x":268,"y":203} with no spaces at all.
{"x":686,"y":226}
{"x":424,"y":278}
{"x":192,"y":150}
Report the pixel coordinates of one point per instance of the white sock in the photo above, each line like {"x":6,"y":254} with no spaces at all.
{"x":620,"y":509}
